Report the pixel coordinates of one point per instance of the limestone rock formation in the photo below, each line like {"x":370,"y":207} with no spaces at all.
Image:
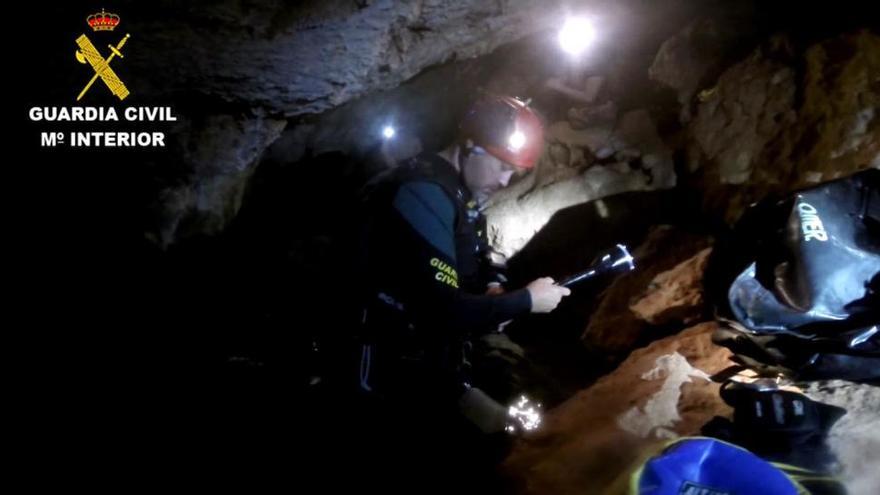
{"x":660,"y":391}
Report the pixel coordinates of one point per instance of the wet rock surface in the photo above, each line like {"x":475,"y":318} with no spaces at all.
{"x":636,"y":159}
{"x":621,"y":321}
{"x":855,"y":438}
{"x":783,"y":119}
{"x":220,"y":154}
{"x":592,"y":442}
{"x":675,"y":295}
{"x":589,"y":441}
{"x":695,"y":57}
{"x":313,"y":56}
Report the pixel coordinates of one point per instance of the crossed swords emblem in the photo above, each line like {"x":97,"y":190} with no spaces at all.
{"x":87,"y":53}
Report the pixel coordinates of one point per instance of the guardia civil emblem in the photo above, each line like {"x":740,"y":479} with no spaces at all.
{"x":102,"y":22}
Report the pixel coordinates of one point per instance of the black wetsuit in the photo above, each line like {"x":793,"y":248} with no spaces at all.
{"x":426,"y":273}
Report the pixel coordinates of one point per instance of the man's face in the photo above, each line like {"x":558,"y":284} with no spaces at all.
{"x":484,"y":174}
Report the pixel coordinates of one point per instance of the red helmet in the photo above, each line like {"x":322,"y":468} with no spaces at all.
{"x":506,"y":128}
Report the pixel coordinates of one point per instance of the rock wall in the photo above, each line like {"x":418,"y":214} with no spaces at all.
{"x":781,"y":120}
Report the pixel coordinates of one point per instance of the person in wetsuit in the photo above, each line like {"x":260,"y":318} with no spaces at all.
{"x":430,"y":286}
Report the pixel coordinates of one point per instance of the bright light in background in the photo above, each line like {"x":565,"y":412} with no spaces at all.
{"x":388,"y":132}
{"x":576,"y":35}
{"x":517,"y":140}
{"x":528,"y":418}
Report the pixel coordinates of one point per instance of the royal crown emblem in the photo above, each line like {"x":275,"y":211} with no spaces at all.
{"x":103,"y":21}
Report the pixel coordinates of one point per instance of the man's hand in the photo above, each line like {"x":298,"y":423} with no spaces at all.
{"x":546,"y":294}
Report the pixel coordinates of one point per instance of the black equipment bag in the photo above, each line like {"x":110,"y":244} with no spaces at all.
{"x":799,"y":282}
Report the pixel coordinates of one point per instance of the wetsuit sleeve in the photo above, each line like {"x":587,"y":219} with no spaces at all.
{"x":428,"y":241}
